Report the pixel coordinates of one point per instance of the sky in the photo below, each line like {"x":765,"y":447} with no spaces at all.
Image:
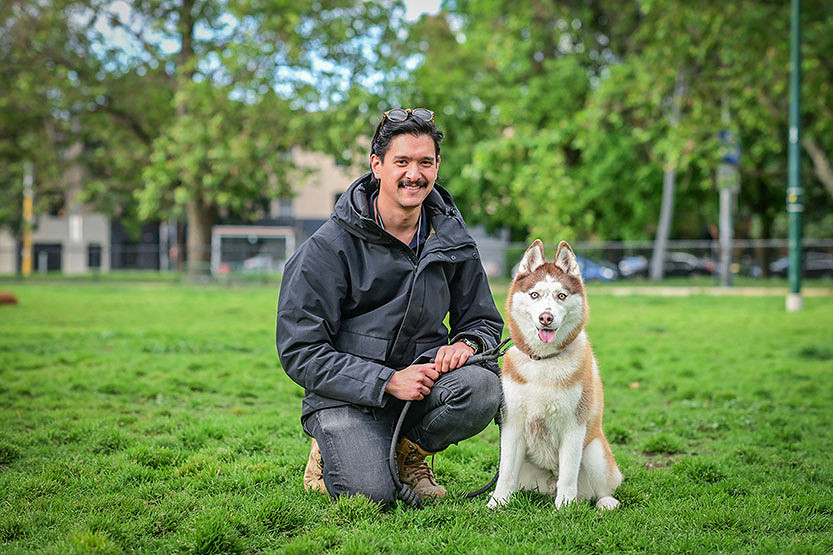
{"x":415,"y":8}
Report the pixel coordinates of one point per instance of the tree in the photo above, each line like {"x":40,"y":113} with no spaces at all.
{"x":221,"y":155}
{"x":243,"y":76}
{"x":38,"y":101}
{"x":563,"y":111}
{"x":510,"y":79}
{"x":187,"y":108}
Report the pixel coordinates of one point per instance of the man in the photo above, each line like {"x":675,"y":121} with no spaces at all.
{"x":361,"y":313}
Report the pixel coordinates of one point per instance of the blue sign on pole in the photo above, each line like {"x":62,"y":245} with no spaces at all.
{"x":729,"y":148}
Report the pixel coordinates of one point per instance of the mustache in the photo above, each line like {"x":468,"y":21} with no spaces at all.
{"x":409,"y":183}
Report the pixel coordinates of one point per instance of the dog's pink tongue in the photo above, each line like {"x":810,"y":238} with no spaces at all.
{"x":546,"y":335}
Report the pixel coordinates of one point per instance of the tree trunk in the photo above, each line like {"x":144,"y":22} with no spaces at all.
{"x":664,"y":227}
{"x":199,"y":214}
{"x":201,"y":217}
{"x":668,"y":184}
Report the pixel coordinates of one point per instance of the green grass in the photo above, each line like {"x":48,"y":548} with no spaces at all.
{"x":155,"y":418}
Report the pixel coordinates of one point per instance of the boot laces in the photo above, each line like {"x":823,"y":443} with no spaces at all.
{"x":418,"y":465}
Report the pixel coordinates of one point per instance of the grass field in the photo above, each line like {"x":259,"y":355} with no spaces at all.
{"x":155,"y":418}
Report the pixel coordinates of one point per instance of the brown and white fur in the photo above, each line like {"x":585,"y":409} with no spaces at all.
{"x":552,"y":440}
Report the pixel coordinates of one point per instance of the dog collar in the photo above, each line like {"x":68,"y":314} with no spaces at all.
{"x":536,"y":357}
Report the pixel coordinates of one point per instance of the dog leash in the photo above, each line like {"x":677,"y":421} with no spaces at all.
{"x":404,"y":491}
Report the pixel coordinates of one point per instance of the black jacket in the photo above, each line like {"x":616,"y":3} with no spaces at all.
{"x":356,"y":304}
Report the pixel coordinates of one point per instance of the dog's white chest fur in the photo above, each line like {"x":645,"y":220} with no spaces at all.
{"x":546,"y":407}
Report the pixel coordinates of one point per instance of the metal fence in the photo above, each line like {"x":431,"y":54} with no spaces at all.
{"x":600,"y":260}
{"x":615,"y":260}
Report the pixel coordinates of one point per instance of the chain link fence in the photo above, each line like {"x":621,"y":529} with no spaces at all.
{"x":604,"y":261}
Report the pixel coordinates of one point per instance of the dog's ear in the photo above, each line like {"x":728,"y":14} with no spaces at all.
{"x":533,"y":257}
{"x":565,"y":259}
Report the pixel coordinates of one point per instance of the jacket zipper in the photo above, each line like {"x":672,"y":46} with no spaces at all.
{"x":416,"y":271}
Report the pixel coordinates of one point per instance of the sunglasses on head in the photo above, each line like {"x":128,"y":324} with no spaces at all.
{"x":398,"y":115}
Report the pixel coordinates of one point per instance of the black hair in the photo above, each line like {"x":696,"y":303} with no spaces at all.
{"x":413,"y":125}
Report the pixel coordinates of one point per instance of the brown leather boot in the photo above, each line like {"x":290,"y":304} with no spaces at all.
{"x":314,"y":472}
{"x":414,"y":471}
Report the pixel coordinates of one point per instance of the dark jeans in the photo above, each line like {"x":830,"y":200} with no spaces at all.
{"x":355,"y":441}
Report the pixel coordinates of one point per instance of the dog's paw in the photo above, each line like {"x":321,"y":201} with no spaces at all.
{"x":607,"y":503}
{"x":497,"y":502}
{"x":562,"y":499}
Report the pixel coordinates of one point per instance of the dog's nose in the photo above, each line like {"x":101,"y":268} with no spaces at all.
{"x":545,"y":318}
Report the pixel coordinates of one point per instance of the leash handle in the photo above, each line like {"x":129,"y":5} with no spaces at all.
{"x":490,"y":354}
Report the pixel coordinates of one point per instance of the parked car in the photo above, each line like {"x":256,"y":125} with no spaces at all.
{"x":633,"y":266}
{"x":686,"y":264}
{"x":591,"y":270}
{"x":676,"y":264}
{"x":260,"y":263}
{"x":813,"y":265}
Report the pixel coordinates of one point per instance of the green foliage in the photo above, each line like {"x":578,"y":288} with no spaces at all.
{"x":559,"y":113}
{"x":38,"y":98}
{"x":154,"y":417}
{"x":195,"y":103}
{"x":232,"y":155}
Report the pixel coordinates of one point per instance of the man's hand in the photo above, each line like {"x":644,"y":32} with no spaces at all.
{"x":452,"y":356}
{"x":414,"y":382}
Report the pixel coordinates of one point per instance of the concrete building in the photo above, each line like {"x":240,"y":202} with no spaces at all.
{"x":82,"y":241}
{"x":8,"y":252}
{"x":77,"y":243}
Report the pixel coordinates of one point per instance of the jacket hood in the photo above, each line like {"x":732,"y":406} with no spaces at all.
{"x":352,"y":211}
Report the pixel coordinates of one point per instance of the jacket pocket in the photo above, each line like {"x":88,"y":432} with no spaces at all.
{"x":361,"y":345}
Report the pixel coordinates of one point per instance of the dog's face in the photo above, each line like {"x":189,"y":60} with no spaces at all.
{"x":547,"y":303}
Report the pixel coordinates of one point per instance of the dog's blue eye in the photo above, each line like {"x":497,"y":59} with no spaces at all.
{"x":534,"y":295}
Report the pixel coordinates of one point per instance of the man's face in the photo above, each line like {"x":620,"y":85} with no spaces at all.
{"x":408,"y":171}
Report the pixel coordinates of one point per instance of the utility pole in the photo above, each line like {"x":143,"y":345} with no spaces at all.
{"x":795,"y":200}
{"x":28,"y":218}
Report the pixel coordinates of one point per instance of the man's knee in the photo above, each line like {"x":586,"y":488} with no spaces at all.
{"x":354,"y":451}
{"x":486,"y":393}
{"x":476,"y":388}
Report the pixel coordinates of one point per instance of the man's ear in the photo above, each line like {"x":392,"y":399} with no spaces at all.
{"x":565,"y":259}
{"x":532,"y":258}
{"x":375,"y":162}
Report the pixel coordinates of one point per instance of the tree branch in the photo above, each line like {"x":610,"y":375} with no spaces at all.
{"x":821,"y":162}
{"x":131,"y":122}
{"x":819,"y":158}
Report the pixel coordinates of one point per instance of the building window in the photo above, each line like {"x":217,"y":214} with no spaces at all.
{"x":94,"y":256}
{"x":285,"y":207}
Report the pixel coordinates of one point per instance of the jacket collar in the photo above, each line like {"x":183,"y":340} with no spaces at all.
{"x":352,"y":211}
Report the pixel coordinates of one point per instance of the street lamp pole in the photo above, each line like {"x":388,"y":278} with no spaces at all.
{"x":28,"y":219}
{"x":795,"y":201}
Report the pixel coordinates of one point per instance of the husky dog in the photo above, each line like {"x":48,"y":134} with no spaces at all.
{"x":552,"y":439}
